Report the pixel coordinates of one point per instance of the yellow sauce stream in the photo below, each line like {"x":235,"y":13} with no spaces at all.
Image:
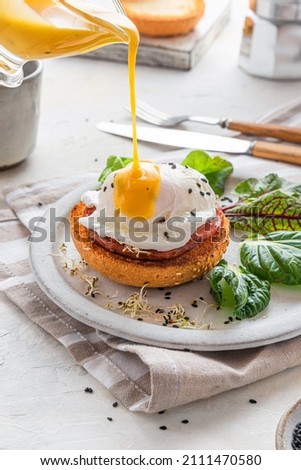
{"x":36,"y":29}
{"x":136,"y":186}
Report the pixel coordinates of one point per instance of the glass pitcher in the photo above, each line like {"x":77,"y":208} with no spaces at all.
{"x":39,"y":29}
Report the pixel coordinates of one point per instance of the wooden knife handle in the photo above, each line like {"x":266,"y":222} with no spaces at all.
{"x":280,"y":152}
{"x":288,"y":134}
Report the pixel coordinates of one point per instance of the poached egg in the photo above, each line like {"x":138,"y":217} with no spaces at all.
{"x":152,"y":207}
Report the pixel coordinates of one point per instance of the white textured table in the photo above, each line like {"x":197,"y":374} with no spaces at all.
{"x":42,"y":399}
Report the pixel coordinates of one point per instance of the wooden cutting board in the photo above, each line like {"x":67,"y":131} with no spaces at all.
{"x":179,"y":52}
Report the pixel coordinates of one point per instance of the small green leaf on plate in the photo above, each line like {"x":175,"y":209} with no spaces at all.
{"x":275,"y":257}
{"x":252,"y":188}
{"x":244,"y":292}
{"x":266,"y":205}
{"x":269,"y":212}
{"x":113,"y":163}
{"x":216,"y":169}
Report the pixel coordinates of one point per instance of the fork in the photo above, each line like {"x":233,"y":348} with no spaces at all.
{"x":119,"y":7}
{"x":154,"y":116}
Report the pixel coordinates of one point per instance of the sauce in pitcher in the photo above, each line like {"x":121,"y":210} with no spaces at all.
{"x":38,"y":29}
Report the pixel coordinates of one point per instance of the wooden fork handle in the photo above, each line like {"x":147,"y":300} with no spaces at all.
{"x":280,"y":152}
{"x":288,"y":134}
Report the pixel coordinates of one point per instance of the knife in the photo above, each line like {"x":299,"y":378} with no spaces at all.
{"x":215,"y":143}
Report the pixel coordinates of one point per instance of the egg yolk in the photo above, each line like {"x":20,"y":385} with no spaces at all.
{"x":136,"y":189}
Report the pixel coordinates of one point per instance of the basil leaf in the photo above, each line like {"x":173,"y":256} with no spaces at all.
{"x":216,"y":169}
{"x":234,"y":287}
{"x":270,"y":212}
{"x":113,"y":163}
{"x":275,"y":257}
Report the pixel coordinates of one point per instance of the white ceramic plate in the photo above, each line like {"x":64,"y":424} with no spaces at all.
{"x":280,"y":321}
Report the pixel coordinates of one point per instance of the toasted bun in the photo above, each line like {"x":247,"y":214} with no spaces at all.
{"x":166,"y":273}
{"x":164,"y":18}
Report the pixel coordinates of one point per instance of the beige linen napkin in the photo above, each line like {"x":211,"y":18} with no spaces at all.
{"x":143,"y":378}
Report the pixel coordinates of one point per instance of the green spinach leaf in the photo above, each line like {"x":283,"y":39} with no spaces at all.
{"x":216,"y":169}
{"x":275,"y":257}
{"x":234,"y":287}
{"x":113,"y":163}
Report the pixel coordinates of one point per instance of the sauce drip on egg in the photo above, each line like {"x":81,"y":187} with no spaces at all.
{"x":136,"y":189}
{"x":137,"y":185}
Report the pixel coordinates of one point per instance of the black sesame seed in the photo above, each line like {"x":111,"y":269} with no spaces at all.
{"x":230,"y":318}
{"x":168,"y":293}
{"x":194,"y":304}
{"x":226,"y":198}
{"x":109,"y":418}
{"x":161,"y":412}
{"x":89,"y":390}
{"x":104,"y":188}
{"x":189,"y":190}
{"x":296,"y":440}
{"x":237,"y":318}
{"x":171,"y":163}
{"x":218,"y":307}
{"x":167,"y":297}
{"x":120,"y":303}
{"x":204,"y":179}
{"x":40,"y":204}
{"x":252,"y":400}
{"x":163,"y":428}
{"x":115,"y":404}
{"x":175,"y":326}
{"x":226,"y":322}
{"x":199,"y":185}
{"x":186,"y":166}
{"x":201,"y":298}
{"x":193,"y":213}
{"x":112,"y":185}
{"x":186,"y":318}
{"x":166,"y":235}
{"x":160,"y":288}
{"x":202,"y":193}
{"x":186,"y":350}
{"x":161,"y":220}
{"x":185,"y":421}
{"x":139,"y":319}
{"x":164,"y":324}
{"x":208,"y":193}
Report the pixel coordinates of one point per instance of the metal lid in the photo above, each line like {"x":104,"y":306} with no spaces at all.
{"x":277,"y":10}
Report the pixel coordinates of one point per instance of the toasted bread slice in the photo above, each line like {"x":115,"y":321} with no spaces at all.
{"x":134,"y":272}
{"x":164,"y":17}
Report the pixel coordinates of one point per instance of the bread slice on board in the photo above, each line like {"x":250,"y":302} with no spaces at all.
{"x":159,"y":18}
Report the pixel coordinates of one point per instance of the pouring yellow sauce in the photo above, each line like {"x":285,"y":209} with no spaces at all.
{"x":38,"y":29}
